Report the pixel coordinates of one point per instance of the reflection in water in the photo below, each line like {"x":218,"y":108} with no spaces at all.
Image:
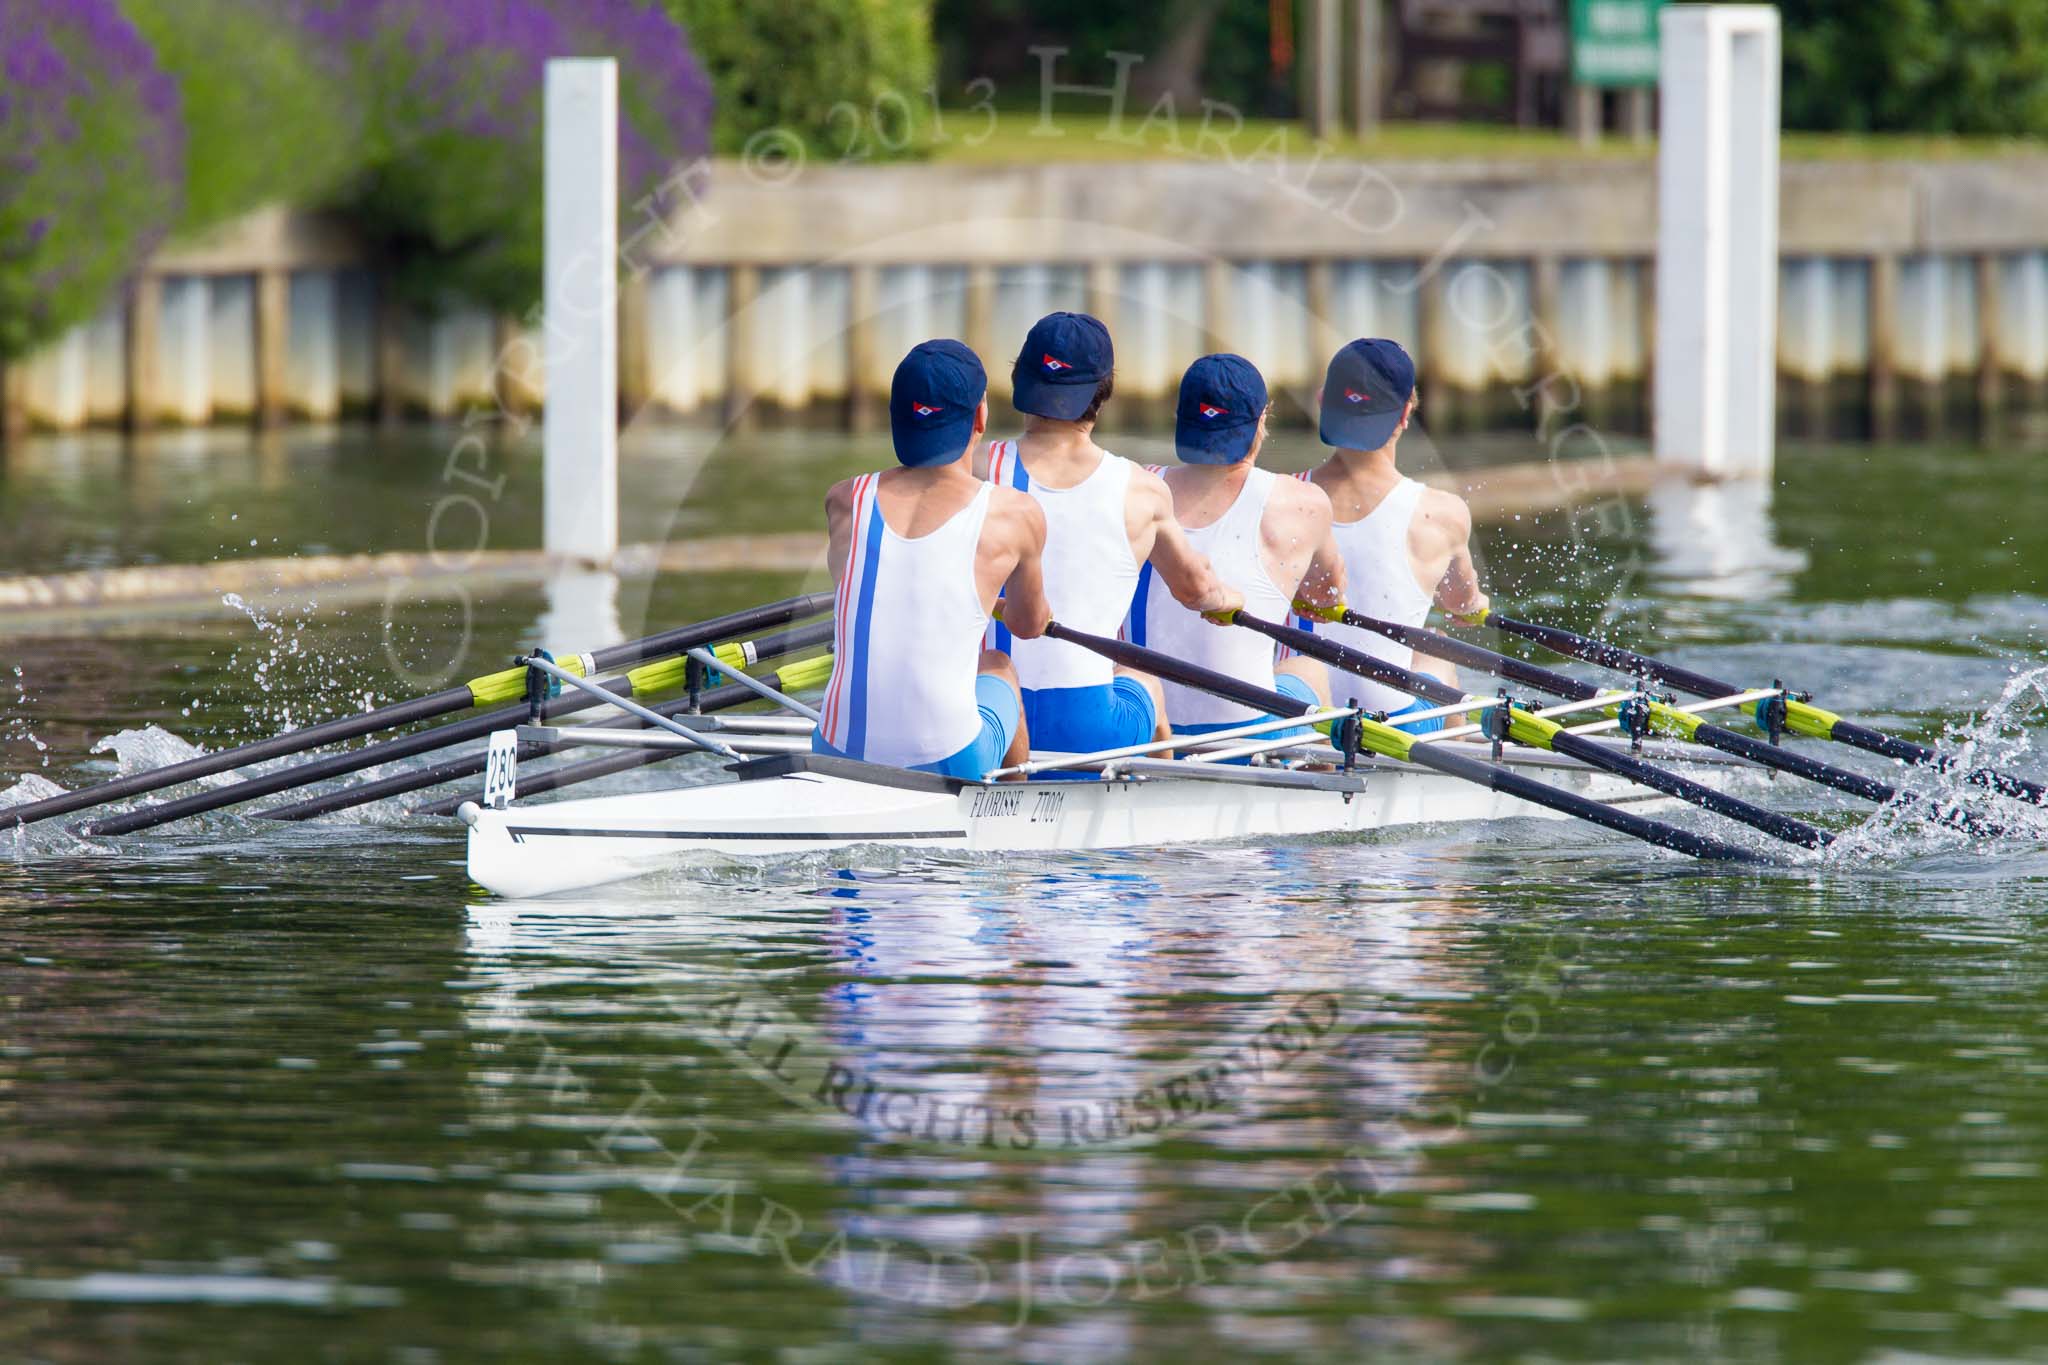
{"x":1717,"y":540}
{"x":1058,"y":1084}
{"x":582,"y":612}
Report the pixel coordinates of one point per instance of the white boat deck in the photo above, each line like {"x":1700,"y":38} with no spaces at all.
{"x":800,"y":803}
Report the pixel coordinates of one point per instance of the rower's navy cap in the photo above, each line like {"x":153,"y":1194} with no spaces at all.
{"x":1066,"y":357}
{"x":932,"y":401}
{"x":1217,"y":418}
{"x":1365,"y":392}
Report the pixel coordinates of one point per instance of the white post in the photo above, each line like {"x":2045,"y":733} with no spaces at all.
{"x":580,"y":488}
{"x":1717,"y":240}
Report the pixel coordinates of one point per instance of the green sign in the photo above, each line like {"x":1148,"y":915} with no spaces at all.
{"x":1614,"y":42}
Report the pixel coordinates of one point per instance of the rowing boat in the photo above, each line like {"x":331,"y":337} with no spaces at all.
{"x":794,"y":803}
{"x":1499,"y":757}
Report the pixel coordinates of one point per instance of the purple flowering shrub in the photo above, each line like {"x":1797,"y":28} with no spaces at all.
{"x":422,"y":117}
{"x":456,"y":92}
{"x":91,"y":162}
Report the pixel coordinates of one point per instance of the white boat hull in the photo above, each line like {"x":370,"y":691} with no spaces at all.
{"x":543,"y":849}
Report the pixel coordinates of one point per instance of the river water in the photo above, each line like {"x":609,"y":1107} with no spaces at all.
{"x":1524,"y":1091}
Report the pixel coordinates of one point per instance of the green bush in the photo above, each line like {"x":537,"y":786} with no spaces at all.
{"x":1922,"y":66}
{"x":850,"y":79}
{"x":1197,"y":49}
{"x":268,"y":112}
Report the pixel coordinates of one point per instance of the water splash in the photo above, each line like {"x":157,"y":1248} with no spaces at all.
{"x":2001,"y":738}
{"x":296,"y":685}
{"x":17,"y":730}
{"x":150,"y":747}
{"x":29,"y":787}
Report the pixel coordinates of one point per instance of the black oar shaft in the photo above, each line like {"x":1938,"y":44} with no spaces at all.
{"x":354,"y":761}
{"x":398,"y":784}
{"x":336,"y":765}
{"x":1186,"y":674}
{"x":1427,"y":755}
{"x":718,"y":698}
{"x":1595,"y":812}
{"x":1783,"y":760}
{"x":206,"y":765}
{"x":398,"y":714}
{"x":1584,"y":749}
{"x":589,"y":770}
{"x":1621,"y":660}
{"x":1595,"y":754}
{"x":1685,"y":680}
{"x":1478,"y":657}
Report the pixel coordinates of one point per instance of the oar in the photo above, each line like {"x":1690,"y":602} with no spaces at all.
{"x":796,"y":677}
{"x":454,"y":770}
{"x":657,"y":676}
{"x":1801,"y":718}
{"x":1392,"y":743}
{"x":488,"y":690}
{"x":1539,"y":733}
{"x":1671,"y":720}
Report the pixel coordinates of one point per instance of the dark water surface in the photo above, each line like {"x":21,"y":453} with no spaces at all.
{"x":1518,"y":1092}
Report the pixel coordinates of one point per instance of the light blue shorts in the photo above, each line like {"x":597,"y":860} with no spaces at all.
{"x":1417,"y":727}
{"x":1082,"y":720}
{"x":997,"y":702}
{"x":1288,"y":685}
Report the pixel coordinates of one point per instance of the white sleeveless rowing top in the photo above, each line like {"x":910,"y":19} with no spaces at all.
{"x":1379,"y":582}
{"x":906,"y":638}
{"x":1090,"y":573}
{"x":1158,"y":622}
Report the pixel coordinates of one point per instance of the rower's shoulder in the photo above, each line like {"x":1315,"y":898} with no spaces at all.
{"x":1017,"y":510}
{"x":1445,"y":508}
{"x":839,"y":497}
{"x":1301,"y":495}
{"x":1146,"y":483}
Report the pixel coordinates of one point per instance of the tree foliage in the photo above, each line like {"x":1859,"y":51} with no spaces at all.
{"x":1921,"y":66}
{"x":1196,"y":49}
{"x":843,"y":77}
{"x":270,"y":113}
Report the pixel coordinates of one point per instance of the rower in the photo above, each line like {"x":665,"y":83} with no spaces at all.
{"x":1405,"y":545}
{"x":1268,"y":537}
{"x":919,"y":555}
{"x":1105,"y":519}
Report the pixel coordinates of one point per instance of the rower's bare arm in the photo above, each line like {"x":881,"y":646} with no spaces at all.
{"x":1457,"y":591}
{"x":838,"y":527}
{"x":1322,"y":583}
{"x":1186,"y":571}
{"x":1025,"y":608}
